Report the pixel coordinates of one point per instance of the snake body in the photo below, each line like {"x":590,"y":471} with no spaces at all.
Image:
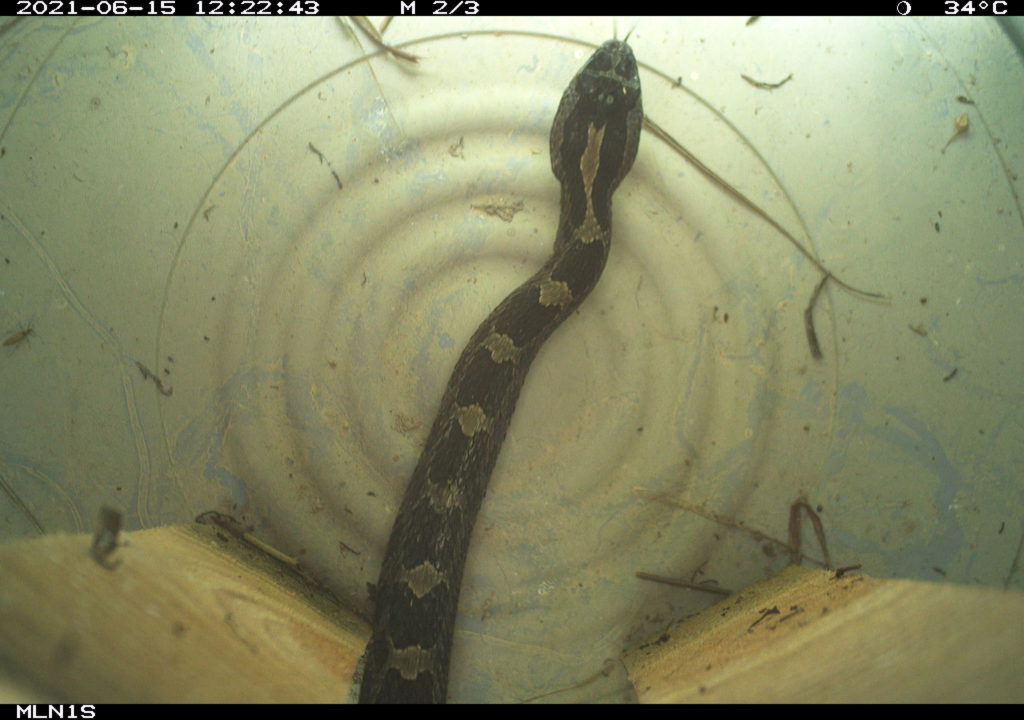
{"x":594,"y":141}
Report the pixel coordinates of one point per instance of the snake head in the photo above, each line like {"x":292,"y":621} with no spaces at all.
{"x":605,"y":93}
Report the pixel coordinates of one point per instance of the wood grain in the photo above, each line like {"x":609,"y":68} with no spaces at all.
{"x":189,"y":614}
{"x":852,"y":639}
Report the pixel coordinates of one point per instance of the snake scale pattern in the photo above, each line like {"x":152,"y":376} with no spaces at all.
{"x":594,"y":141}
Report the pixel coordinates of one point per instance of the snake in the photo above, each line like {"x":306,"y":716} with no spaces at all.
{"x":594,"y":140}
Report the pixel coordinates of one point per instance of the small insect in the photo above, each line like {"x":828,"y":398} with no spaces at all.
{"x":104,"y":540}
{"x":17,"y":337}
{"x":959,"y":127}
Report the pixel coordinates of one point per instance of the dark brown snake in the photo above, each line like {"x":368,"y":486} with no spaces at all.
{"x":594,"y":141}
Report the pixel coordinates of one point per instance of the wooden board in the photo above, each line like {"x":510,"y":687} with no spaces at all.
{"x":189,"y":614}
{"x":806,"y":636}
{"x":193,"y":614}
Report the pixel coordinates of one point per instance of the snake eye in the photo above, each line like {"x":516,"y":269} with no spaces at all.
{"x":600,"y":63}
